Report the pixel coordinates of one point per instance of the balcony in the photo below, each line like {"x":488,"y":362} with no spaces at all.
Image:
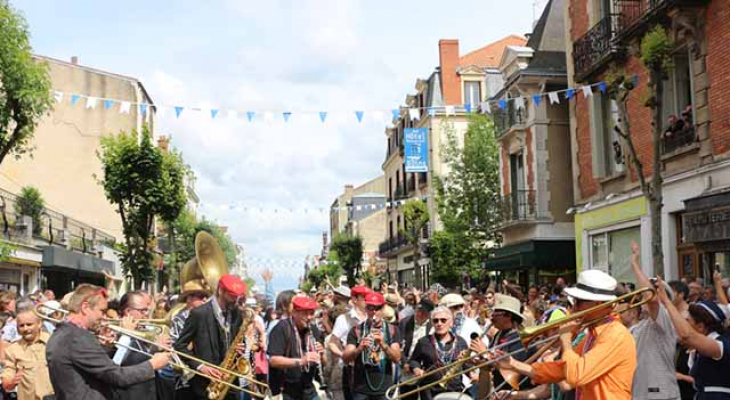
{"x":675,"y":140}
{"x":411,"y":185}
{"x":596,"y":46}
{"x":520,"y":206}
{"x":422,"y":179}
{"x":508,"y":118}
{"x":400,"y":193}
{"x":392,"y":245}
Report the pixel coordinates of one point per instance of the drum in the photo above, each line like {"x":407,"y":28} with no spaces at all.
{"x":452,"y":396}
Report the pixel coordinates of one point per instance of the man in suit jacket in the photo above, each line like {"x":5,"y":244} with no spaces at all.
{"x":210,"y":329}
{"x":79,"y":367}
{"x":411,"y":329}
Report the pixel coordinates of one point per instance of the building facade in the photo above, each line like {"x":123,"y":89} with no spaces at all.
{"x":535,"y":168}
{"x":441,"y":104}
{"x":79,"y":225}
{"x":695,"y":142}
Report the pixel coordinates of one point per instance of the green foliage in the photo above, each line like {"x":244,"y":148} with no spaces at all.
{"x":143,"y":182}
{"x":6,"y":250}
{"x":25,"y":88}
{"x":347,"y":251}
{"x":30,"y":203}
{"x":468,"y":200}
{"x":306,"y":286}
{"x":250,"y":283}
{"x":416,"y":216}
{"x":656,"y":50}
{"x":224,"y":240}
{"x":318,"y":276}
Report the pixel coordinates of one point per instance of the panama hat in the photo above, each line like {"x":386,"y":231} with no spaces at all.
{"x":452,"y":300}
{"x":593,"y":285}
{"x":509,"y":304}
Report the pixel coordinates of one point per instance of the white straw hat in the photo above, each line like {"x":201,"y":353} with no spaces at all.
{"x":593,"y":285}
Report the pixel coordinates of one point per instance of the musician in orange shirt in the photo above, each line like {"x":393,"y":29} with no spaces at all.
{"x":601,"y":366}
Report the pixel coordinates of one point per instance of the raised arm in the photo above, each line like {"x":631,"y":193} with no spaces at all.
{"x":719,"y":290}
{"x":643,"y":281}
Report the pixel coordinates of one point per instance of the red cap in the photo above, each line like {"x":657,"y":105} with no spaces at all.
{"x":232,"y":284}
{"x":302,"y":303}
{"x":374,"y":299}
{"x":359,"y":291}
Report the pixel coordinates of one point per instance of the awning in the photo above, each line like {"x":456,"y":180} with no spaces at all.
{"x":60,"y":258}
{"x":541,"y":254}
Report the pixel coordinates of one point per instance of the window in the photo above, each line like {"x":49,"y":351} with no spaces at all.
{"x":472,"y":93}
{"x":677,"y":105}
{"x":517,"y":207}
{"x":611,"y":252}
{"x":608,"y":156}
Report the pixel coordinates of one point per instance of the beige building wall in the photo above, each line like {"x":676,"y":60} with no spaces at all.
{"x":339,"y":217}
{"x":372,"y":231}
{"x":65,"y":166}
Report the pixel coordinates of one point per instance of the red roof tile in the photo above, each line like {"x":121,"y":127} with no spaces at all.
{"x":490,"y":55}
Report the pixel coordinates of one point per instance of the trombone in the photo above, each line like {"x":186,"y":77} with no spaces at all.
{"x":176,"y":362}
{"x":528,"y":338}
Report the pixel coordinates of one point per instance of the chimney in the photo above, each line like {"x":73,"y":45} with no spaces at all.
{"x":450,"y":81}
{"x":75,"y":60}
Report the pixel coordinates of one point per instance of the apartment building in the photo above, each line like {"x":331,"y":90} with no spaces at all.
{"x":79,"y":224}
{"x":459,"y":85}
{"x":535,"y":169}
{"x":695,"y":146}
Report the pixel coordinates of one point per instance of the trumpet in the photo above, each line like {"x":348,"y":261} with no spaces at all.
{"x":527,"y":336}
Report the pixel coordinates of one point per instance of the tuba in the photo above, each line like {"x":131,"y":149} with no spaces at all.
{"x":208,"y":265}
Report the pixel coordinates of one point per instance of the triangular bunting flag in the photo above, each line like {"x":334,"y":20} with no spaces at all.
{"x":250,"y":115}
{"x":359,"y":115}
{"x":519,"y":102}
{"x":537,"y":99}
{"x":74,"y":99}
{"x":553,"y":96}
{"x":213,"y":113}
{"x":484,"y":108}
{"x":178,"y":111}
{"x":232,"y":114}
{"x":125,"y":108}
{"x":58,"y":96}
{"x":432,"y":111}
{"x":286,"y":115}
{"x":569,"y":93}
{"x":602,"y":86}
{"x":467,"y":107}
{"x":108,"y":104}
{"x":396,"y":113}
{"x":450,"y":110}
{"x":143,"y":109}
{"x":414,"y":113}
{"x":587,"y":91}
{"x":269,"y":117}
{"x":322,"y":116}
{"x":378,"y":116}
{"x":91,"y":102}
{"x":502,"y":104}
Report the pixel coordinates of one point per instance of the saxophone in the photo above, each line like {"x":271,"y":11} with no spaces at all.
{"x":232,"y":361}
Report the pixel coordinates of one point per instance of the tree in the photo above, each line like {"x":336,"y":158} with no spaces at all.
{"x":143,"y":182}
{"x":30,"y":203}
{"x":468,"y":200}
{"x":224,"y":240}
{"x":25,"y":88}
{"x":319,"y":276}
{"x":347,"y":251}
{"x":656,"y":49}
{"x":416,"y":218}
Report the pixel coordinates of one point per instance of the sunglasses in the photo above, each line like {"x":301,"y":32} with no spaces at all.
{"x":437,"y":321}
{"x":374,"y":308}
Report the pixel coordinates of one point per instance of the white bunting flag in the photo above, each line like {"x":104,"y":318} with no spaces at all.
{"x":91,"y":102}
{"x":268,"y":117}
{"x":414,"y":113}
{"x":519,"y":102}
{"x":125,"y":107}
{"x":587,"y":91}
{"x":232,"y":114}
{"x":358,"y":208}
{"x":373,"y":206}
{"x":484,"y":107}
{"x":553,"y":96}
{"x":58,"y":96}
{"x":450,"y":110}
{"x":378,"y":116}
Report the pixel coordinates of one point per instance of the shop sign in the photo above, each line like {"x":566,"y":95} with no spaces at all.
{"x":707,"y":225}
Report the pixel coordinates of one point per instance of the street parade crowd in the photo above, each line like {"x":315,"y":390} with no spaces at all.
{"x":596,"y":339}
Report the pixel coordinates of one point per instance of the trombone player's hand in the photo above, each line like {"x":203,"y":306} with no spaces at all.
{"x":210,"y":371}
{"x":164,"y":340}
{"x":128,"y":323}
{"x":160,"y":360}
{"x":477,"y":346}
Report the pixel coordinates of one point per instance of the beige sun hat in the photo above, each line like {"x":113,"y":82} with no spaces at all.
{"x":509,"y":304}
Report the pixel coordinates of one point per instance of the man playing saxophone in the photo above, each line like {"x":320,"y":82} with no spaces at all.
{"x":211,"y":329}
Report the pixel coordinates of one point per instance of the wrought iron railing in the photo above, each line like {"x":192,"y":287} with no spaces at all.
{"x":392,"y":244}
{"x":594,"y":45}
{"x":520,"y":205}
{"x":509,"y":117}
{"x":673,"y":141}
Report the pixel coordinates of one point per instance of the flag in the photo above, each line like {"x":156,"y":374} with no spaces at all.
{"x":519,"y":102}
{"x":396,"y":113}
{"x":143,"y":109}
{"x":537,"y":99}
{"x":467,"y":108}
{"x":286,"y":115}
{"x":602,"y":86}
{"x":484,"y":107}
{"x":359,"y":115}
{"x":125,"y":108}
{"x":414,"y":113}
{"x":323,"y":116}
{"x":250,"y":115}
{"x":178,"y":111}
{"x":450,"y":110}
{"x":587,"y":91}
{"x":502,"y":104}
{"x":91,"y":102}
{"x":58,"y":96}
{"x":554,"y":99}
{"x":213,"y":113}
{"x":74,"y":99}
{"x":108,"y":104}
{"x":569,"y":93}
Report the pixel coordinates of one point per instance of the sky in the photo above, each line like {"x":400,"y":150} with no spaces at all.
{"x":270,"y":182}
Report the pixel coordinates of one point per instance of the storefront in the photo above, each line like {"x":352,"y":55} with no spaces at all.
{"x":603,"y":237}
{"x":534,"y":262}
{"x":705,"y":234}
{"x":64,"y":269}
{"x":20,"y":273}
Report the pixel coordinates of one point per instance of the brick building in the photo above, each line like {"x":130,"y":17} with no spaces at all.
{"x":610,"y":211}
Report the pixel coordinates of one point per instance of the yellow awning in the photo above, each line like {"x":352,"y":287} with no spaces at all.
{"x":19,"y":261}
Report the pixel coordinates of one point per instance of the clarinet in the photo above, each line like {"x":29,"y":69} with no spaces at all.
{"x":320,"y":372}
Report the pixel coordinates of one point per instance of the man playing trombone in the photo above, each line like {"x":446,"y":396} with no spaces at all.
{"x":602,"y":365}
{"x":79,"y":367}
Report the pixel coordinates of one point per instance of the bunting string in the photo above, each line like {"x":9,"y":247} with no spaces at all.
{"x":283,"y":210}
{"x":251,"y":116}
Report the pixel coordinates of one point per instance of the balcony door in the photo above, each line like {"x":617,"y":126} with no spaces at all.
{"x":517,"y":183}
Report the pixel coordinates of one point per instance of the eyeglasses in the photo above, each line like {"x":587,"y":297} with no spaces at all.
{"x":373,"y":308}
{"x":437,"y":321}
